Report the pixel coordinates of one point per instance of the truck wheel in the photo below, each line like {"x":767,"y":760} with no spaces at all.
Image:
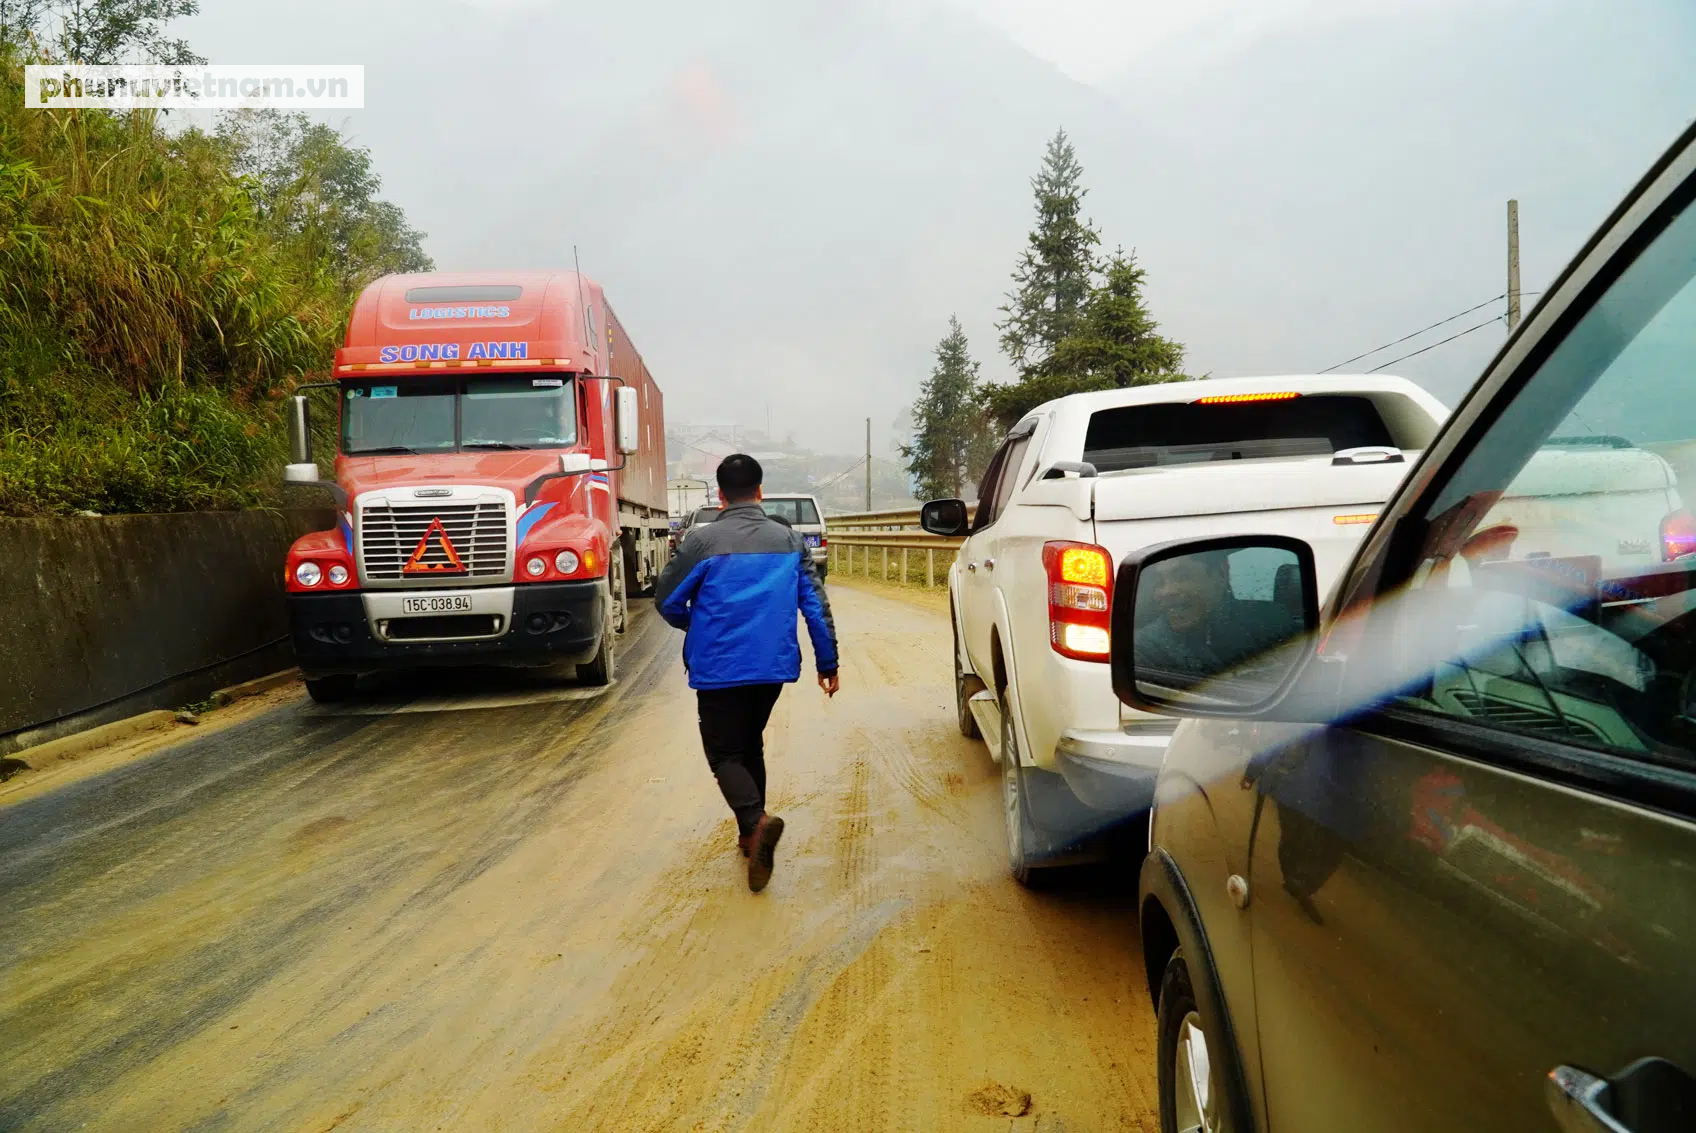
{"x":620,"y":599}
{"x":331,"y":689}
{"x":1017,"y":807}
{"x":965,"y":687}
{"x":599,"y":669}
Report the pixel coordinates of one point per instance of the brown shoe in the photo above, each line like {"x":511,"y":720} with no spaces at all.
{"x":744,"y":842}
{"x":763,"y":845}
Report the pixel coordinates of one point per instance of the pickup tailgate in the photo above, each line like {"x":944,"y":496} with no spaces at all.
{"x":1330,"y":506}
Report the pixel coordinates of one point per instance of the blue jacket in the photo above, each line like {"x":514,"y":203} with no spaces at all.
{"x":734,"y":587}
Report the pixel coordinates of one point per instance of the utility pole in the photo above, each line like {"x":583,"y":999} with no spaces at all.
{"x":1513,"y":265}
{"x":868,"y":464}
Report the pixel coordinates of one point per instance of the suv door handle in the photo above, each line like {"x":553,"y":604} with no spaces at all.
{"x":989,"y":564}
{"x":1650,"y":1095}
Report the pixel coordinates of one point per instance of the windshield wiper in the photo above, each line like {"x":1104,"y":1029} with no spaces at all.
{"x":385,"y":450}
{"x":493,"y":444}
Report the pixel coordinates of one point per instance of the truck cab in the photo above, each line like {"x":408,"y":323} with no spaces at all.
{"x":499,"y":480}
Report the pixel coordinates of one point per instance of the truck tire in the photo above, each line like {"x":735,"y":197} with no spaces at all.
{"x":600,"y":669}
{"x":331,"y":689}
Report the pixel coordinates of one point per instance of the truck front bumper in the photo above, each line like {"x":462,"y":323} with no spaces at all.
{"x":1113,"y":771}
{"x":550,"y":623}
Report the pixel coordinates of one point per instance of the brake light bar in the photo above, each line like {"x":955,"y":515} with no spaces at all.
{"x":1238,"y":398}
{"x":1080,"y":599}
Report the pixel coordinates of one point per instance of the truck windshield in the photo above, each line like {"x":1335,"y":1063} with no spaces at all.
{"x":1145,"y":436}
{"x":454,"y":414}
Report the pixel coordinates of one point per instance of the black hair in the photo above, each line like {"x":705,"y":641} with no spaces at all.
{"x":738,"y":475}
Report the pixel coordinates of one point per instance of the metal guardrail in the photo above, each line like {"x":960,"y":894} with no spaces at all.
{"x":859,"y":537}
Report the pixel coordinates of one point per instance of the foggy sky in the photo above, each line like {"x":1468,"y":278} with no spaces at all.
{"x":786,"y":200}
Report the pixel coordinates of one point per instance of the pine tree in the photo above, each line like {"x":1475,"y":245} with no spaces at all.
{"x":951,"y":437}
{"x":1116,"y":343}
{"x":1052,"y":281}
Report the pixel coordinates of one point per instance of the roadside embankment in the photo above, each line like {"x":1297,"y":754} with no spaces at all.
{"x":114,"y":615}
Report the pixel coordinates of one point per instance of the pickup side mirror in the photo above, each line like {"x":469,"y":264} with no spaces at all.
{"x":944,"y":517}
{"x":1213,"y":627}
{"x":301,"y":468}
{"x":629,"y":420}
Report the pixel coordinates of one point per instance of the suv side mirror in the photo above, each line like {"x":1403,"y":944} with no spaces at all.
{"x":1212,"y":627}
{"x":944,"y":517}
{"x":629,"y":420}
{"x":301,"y":468}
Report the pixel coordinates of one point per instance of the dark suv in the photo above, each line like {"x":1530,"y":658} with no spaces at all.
{"x":1425,"y":858}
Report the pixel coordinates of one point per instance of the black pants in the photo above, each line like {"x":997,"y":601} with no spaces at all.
{"x":733,"y":725}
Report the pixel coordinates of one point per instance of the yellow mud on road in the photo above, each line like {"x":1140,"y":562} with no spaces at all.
{"x":533,"y":916}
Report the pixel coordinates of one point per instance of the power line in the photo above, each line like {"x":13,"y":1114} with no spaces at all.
{"x":817,"y":484}
{"x":1434,"y":345}
{"x":1417,"y":333}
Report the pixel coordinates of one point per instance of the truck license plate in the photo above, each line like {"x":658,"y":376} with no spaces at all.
{"x":812,"y":540}
{"x":437,"y":604}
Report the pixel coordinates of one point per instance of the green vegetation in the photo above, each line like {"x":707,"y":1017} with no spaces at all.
{"x":952,"y":439}
{"x":1073,"y":321}
{"x":162,"y":288}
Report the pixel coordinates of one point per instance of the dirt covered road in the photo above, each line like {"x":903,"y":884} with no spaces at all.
{"x":524,"y":909}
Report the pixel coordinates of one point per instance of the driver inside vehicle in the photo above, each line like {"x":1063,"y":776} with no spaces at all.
{"x":1199,"y":627}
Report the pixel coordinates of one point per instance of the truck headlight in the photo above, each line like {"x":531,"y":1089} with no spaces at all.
{"x":338,"y":575}
{"x":565,"y":562}
{"x":308,"y":574}
{"x":536,"y":567}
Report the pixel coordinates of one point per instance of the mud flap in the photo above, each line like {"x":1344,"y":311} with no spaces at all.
{"x":1061,"y":829}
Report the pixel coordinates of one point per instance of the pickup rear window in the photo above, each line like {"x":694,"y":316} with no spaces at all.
{"x":1145,"y":436}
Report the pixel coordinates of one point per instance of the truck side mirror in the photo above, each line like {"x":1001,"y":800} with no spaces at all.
{"x":301,"y":468}
{"x":629,"y":420}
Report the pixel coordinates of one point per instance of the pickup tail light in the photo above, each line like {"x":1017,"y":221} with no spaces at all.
{"x":1080,"y":599}
{"x":1678,"y":535}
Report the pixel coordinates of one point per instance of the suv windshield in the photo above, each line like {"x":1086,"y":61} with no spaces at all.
{"x":442,"y":414}
{"x":1144,"y":436}
{"x":791,"y":511}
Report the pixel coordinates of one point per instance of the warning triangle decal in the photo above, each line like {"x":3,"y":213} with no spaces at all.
{"x":438,"y":557}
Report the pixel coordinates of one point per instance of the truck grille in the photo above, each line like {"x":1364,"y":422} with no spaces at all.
{"x":388,"y":535}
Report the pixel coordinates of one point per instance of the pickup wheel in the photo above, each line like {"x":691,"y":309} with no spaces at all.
{"x":1017,"y":809}
{"x":965,"y":687}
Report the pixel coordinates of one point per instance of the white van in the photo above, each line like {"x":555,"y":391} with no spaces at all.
{"x":804,"y":515}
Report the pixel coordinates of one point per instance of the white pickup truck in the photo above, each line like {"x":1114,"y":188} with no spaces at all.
{"x":1080,"y":482}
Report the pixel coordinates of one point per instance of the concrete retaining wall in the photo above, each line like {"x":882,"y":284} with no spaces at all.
{"x":112,"y":615}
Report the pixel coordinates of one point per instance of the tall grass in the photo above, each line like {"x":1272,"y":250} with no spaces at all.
{"x":151,"y":316}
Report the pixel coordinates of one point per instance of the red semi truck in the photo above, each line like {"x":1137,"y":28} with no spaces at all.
{"x":500,"y":479}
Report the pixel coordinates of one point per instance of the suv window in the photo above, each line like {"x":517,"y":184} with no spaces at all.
{"x":1143,"y":436}
{"x":791,"y":511}
{"x":1552,"y":592}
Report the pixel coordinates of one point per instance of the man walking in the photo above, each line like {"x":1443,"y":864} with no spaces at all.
{"x":734,"y":587}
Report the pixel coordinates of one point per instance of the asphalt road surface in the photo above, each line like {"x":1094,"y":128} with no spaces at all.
{"x":508,"y":906}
